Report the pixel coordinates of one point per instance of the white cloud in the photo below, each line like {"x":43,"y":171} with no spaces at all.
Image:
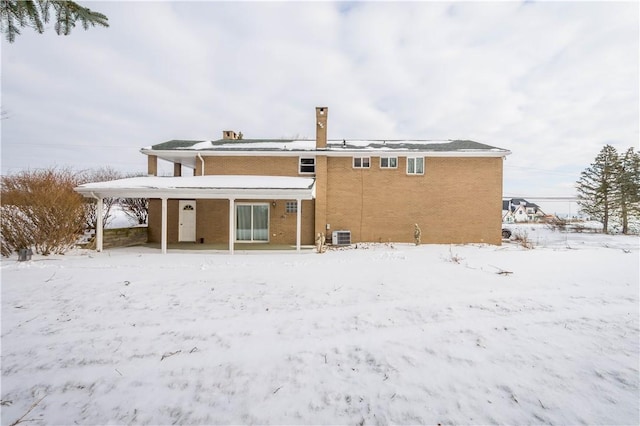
{"x":553,"y":82}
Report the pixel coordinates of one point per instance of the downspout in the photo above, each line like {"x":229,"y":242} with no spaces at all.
{"x":202,"y":164}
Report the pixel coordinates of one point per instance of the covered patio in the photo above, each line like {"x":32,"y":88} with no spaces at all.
{"x":229,"y":187}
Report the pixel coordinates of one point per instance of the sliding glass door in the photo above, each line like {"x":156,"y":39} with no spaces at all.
{"x":252,"y":222}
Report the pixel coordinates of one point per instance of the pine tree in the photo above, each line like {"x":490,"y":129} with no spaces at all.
{"x":628,"y":188}
{"x":597,"y":186}
{"x":16,"y":14}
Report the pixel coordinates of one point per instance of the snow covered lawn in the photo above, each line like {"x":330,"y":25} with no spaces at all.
{"x":382,"y":334}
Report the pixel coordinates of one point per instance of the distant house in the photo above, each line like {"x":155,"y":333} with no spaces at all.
{"x":289,"y":191}
{"x":520,"y":210}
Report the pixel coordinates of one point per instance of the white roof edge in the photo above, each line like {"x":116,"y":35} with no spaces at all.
{"x":497,"y":152}
{"x":194,"y":154}
{"x":211,"y":186}
{"x":204,"y":193}
{"x":399,"y":153}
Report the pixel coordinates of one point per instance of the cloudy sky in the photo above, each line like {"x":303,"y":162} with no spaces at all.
{"x":551,"y":81}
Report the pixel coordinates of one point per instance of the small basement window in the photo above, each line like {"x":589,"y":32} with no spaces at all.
{"x":307,"y":165}
{"x":361,"y":162}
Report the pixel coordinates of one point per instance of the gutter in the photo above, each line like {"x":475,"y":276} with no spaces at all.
{"x":334,"y":152}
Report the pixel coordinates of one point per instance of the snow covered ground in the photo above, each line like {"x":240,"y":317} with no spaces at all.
{"x":382,"y":334}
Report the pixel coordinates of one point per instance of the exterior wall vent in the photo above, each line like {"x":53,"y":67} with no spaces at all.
{"x":341,"y":238}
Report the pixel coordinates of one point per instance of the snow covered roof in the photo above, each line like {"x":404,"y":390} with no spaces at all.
{"x":221,"y":187}
{"x":514,"y":203}
{"x":228,"y":145}
{"x":189,"y":152}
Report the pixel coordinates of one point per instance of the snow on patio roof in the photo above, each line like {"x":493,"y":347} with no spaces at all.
{"x":227,"y":186}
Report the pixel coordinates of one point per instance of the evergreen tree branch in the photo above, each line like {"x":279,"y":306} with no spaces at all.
{"x":16,"y":14}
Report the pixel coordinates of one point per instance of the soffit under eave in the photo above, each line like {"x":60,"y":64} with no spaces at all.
{"x":208,"y":193}
{"x":187,"y":159}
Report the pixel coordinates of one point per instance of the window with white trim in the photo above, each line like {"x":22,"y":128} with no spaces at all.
{"x":291,"y":207}
{"x":388,"y":162}
{"x":252,"y":222}
{"x":415,"y":165}
{"x":306,"y":165}
{"x":361,"y":162}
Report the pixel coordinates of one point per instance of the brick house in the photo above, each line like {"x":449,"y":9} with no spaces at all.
{"x":276,"y":191}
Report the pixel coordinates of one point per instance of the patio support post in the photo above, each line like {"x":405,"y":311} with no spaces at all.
{"x":298,"y":223}
{"x":163,"y":232}
{"x":232,"y":224}
{"x":99,"y":228}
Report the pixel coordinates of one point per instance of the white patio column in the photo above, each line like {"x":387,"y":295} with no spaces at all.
{"x":99,"y":229}
{"x":163,"y":232}
{"x":232,"y":224}
{"x":298,"y":223}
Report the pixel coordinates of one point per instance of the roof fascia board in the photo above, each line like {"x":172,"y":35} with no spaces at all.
{"x":204,"y":193}
{"x":406,"y":153}
{"x":213,"y":153}
{"x":328,"y":153}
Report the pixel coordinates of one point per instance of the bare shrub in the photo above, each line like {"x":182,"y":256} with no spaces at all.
{"x":15,"y":234}
{"x":136,"y":208}
{"x":41,"y":210}
{"x":522,"y":238}
{"x":454,"y":257}
{"x":557,"y":224}
{"x":578,"y":227}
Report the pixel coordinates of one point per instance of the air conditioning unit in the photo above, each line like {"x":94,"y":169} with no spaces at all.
{"x":341,"y":238}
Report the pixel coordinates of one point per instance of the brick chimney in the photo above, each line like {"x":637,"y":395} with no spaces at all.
{"x":229,"y":134}
{"x":321,"y":127}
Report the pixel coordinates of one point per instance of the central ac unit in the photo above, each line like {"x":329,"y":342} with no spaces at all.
{"x":341,"y":238}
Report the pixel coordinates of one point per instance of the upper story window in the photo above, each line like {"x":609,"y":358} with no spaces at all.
{"x":388,"y":162}
{"x":415,"y":165}
{"x":361,"y":162}
{"x":307,"y":165}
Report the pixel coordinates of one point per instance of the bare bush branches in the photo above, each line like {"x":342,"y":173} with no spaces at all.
{"x":136,"y":208}
{"x":454,"y":258}
{"x":522,"y":238}
{"x":102,"y":174}
{"x":34,"y":405}
{"x":40,"y":209}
